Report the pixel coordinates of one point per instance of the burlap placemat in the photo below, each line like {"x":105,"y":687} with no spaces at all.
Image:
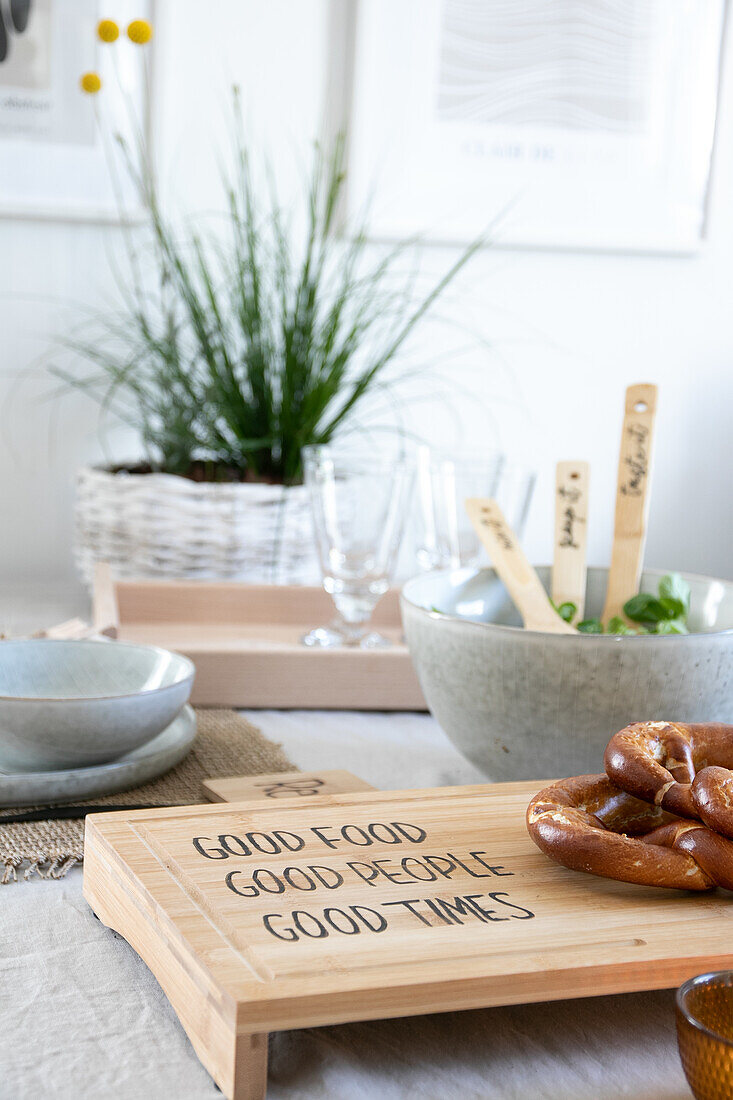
{"x":226,"y":744}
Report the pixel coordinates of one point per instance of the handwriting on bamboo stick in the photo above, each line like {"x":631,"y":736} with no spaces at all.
{"x":571,"y":519}
{"x":636,"y":461}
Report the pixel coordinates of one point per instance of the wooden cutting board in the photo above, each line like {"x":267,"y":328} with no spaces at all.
{"x":290,"y":912}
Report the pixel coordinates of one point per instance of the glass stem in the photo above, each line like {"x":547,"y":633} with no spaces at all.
{"x":352,"y":632}
{"x":354,"y":613}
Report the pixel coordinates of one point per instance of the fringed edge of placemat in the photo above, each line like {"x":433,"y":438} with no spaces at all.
{"x":57,"y":868}
{"x":40,"y":849}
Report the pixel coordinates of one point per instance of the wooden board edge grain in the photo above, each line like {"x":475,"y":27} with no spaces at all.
{"x":236,"y":1059}
{"x":499,"y":991}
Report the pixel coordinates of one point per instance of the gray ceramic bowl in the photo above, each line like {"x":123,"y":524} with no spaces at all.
{"x":66,"y":704}
{"x":526,"y":705}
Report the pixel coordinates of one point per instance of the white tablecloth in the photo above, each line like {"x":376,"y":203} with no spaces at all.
{"x":82,"y":1017}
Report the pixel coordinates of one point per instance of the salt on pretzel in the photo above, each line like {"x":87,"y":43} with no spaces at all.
{"x":683,"y":768}
{"x":588,"y":824}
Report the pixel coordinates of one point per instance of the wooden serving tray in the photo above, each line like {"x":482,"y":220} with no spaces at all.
{"x":245,"y":643}
{"x":296,"y":912}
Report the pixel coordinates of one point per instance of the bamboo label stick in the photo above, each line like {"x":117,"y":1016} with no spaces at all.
{"x":520,"y":578}
{"x":632,"y":498}
{"x":571,"y":518}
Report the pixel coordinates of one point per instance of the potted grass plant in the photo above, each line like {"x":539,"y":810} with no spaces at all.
{"x":236,"y":346}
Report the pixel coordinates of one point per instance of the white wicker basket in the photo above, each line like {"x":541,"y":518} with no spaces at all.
{"x":160,"y":525}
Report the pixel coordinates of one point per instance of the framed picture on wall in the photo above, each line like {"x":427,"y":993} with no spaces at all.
{"x":561,"y":123}
{"x":59,"y":157}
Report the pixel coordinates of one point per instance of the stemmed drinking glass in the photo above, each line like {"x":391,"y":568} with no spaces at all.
{"x":359,"y":503}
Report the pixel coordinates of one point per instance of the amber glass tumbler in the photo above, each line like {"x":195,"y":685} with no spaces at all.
{"x":705,"y":1034}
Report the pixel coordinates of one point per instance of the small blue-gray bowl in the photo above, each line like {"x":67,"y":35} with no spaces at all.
{"x":73,"y":704}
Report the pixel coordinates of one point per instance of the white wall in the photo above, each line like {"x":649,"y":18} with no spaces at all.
{"x":571,"y":330}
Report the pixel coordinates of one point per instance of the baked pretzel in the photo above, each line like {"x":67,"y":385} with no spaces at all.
{"x":682,"y":768}
{"x":588,"y":824}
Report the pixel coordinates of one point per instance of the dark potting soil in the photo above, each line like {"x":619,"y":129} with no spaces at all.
{"x":200,"y":471}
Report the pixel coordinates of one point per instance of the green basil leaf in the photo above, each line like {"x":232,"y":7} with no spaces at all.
{"x":672,"y":626}
{"x":645,"y":608}
{"x":675,"y":608}
{"x":616,"y":625}
{"x":591,"y":626}
{"x":566,"y":611}
{"x":674,"y":587}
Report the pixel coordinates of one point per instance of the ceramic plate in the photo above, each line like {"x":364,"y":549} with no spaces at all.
{"x":139,"y":766}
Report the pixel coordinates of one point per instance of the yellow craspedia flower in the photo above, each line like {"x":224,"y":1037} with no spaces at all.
{"x":107,"y":30}
{"x":139,"y":31}
{"x":91,"y":83}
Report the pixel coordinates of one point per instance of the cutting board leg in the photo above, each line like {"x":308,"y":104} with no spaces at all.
{"x":250,"y":1067}
{"x":236,"y":1061}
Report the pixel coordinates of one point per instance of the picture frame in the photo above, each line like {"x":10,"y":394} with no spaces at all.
{"x":593,"y":132}
{"x":59,"y":154}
